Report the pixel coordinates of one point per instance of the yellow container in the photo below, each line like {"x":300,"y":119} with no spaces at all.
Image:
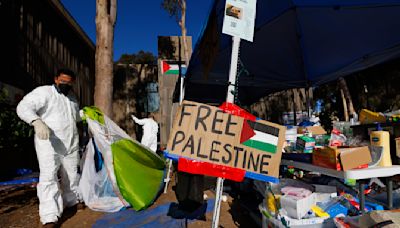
{"x":368,"y":117}
{"x":319,"y":212}
{"x":382,"y":138}
{"x":271,"y":203}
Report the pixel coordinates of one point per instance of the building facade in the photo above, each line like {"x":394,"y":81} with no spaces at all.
{"x":170,"y":48}
{"x":38,"y":38}
{"x":133,"y":92}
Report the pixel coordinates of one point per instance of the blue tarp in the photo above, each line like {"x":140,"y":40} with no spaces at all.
{"x":151,"y":218}
{"x":297,"y":43}
{"x":22,"y":181}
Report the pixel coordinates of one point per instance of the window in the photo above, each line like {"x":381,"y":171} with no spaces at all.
{"x":49,"y":44}
{"x":60,"y":50}
{"x":30,"y":27}
{"x":39,"y":32}
{"x":55,"y":47}
{"x":21,"y":18}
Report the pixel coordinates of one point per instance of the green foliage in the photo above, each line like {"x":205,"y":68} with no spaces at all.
{"x":145,"y":57}
{"x":126,"y":58}
{"x":142,"y":57}
{"x":13,"y":131}
{"x":166,"y":48}
{"x":173,"y":7}
{"x":376,"y":88}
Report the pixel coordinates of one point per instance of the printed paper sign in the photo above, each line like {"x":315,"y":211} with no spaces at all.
{"x":206,"y":133}
{"x":239,"y":18}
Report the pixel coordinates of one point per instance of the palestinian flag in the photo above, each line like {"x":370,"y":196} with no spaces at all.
{"x":169,"y":68}
{"x":259,"y":136}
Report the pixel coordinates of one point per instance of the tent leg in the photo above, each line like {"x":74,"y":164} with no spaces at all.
{"x":294,"y":108}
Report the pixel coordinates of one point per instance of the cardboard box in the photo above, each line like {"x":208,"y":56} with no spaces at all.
{"x":326,"y":157}
{"x":398,"y":147}
{"x":315,"y":130}
{"x":351,"y":158}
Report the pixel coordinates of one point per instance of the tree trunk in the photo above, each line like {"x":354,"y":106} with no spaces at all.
{"x":347,"y":96}
{"x":294,"y":95}
{"x":182,"y":24}
{"x":298,"y":103}
{"x":106,"y":11}
{"x":309,"y":100}
{"x":345,"y":113}
{"x":263,"y":109}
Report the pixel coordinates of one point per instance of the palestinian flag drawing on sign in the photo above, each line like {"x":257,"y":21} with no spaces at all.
{"x":170,"y":68}
{"x":259,"y":136}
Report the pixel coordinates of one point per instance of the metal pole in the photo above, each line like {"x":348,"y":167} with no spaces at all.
{"x":233,"y":69}
{"x":307,"y":90}
{"x":167,"y":179}
{"x":181,"y":97}
{"x":362,"y":196}
{"x":229,"y":98}
{"x":389,"y":189}
{"x":217,"y":205}
{"x":181,"y":91}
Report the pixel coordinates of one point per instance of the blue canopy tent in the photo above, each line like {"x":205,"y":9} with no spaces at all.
{"x":297,"y":43}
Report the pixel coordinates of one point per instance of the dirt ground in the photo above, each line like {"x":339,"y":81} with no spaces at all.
{"x":19,"y":208}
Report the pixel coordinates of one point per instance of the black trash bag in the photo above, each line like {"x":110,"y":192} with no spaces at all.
{"x":189,"y":191}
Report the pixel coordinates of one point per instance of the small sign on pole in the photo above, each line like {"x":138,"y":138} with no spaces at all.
{"x":239,"y":18}
{"x":238,"y":22}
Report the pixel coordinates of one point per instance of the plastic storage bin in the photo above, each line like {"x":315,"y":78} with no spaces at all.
{"x":296,"y":223}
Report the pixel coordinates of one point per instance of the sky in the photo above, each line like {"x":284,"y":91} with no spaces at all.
{"x":139,"y":22}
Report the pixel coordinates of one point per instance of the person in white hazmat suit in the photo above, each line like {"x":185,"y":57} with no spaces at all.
{"x":150,"y":131}
{"x":53,"y":111}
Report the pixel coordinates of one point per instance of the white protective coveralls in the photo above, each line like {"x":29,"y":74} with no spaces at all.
{"x":150,"y":130}
{"x":60,"y":113}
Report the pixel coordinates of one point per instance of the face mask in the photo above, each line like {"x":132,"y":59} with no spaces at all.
{"x":64,"y":88}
